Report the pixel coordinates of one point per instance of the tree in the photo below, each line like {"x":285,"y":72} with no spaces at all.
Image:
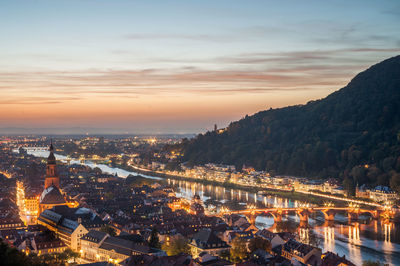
{"x":238,"y":249}
{"x":348,"y":185}
{"x":109,"y":230}
{"x":57,"y":259}
{"x":176,"y":245}
{"x":154,"y":241}
{"x":259,"y":243}
{"x":109,"y":195}
{"x":341,"y":135}
{"x":97,"y":170}
{"x":225,"y":254}
{"x":12,"y":256}
{"x":395,"y":182}
{"x":70,"y":254}
{"x":286,"y":226}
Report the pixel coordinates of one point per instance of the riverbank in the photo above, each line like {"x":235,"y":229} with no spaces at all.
{"x":304,"y":196}
{"x":293,"y":195}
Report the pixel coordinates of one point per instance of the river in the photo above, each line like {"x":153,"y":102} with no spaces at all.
{"x":366,"y":239}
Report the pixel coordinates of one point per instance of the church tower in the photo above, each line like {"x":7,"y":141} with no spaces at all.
{"x":51,"y":195}
{"x":52,"y":178}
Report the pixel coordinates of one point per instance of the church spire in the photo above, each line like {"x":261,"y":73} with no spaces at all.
{"x":52,"y":178}
{"x":51,"y":149}
{"x":51,"y":159}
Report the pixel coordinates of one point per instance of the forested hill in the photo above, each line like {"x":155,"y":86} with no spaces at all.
{"x":353,"y":133}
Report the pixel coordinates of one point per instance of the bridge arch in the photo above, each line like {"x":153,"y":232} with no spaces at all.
{"x":374,"y":213}
{"x":329,"y":214}
{"x":303,"y":213}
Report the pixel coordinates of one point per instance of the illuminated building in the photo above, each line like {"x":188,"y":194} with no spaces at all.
{"x":99,"y":246}
{"x":299,"y":253}
{"x":330,"y":258}
{"x":206,"y":241}
{"x":175,"y":204}
{"x":362,"y":192}
{"x":31,"y":203}
{"x":52,"y":195}
{"x":11,"y":223}
{"x":383,"y":194}
{"x":41,"y":246}
{"x":196,"y":206}
{"x":70,"y":224}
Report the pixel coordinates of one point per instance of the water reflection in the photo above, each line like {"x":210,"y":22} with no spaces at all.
{"x":366,"y":239}
{"x":329,"y":237}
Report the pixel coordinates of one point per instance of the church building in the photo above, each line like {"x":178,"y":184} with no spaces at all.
{"x":52,"y":194}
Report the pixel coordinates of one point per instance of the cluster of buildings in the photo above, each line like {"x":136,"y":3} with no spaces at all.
{"x":250,"y":177}
{"x":381,"y":194}
{"x":262,"y":179}
{"x":112,"y":220}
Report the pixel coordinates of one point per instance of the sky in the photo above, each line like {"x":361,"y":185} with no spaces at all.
{"x":113,"y":66}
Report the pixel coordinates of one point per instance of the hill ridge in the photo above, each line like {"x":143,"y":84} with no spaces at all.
{"x":352,"y":134}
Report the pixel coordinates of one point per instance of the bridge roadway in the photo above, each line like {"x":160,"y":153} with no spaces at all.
{"x":329,"y":212}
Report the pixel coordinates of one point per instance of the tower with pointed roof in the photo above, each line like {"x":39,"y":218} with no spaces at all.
{"x":51,"y":195}
{"x":52,"y":178}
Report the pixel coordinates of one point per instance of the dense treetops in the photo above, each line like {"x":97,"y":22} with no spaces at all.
{"x":352,"y":134}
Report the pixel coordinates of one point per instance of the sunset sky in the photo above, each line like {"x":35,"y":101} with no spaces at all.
{"x":110,"y":66}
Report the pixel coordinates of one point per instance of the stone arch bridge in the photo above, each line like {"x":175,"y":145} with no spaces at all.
{"x":304,"y":213}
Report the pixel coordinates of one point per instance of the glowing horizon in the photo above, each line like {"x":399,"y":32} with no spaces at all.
{"x":179,"y":67}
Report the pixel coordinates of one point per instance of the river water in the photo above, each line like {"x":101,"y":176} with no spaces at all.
{"x":366,"y":239}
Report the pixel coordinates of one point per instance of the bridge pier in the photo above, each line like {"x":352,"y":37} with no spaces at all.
{"x":303,"y":215}
{"x":329,"y":214}
{"x":277,"y":216}
{"x":251,"y":218}
{"x":329,"y":223}
{"x":353,"y":216}
{"x":303,"y":224}
{"x":375,"y":214}
{"x":387,"y":215}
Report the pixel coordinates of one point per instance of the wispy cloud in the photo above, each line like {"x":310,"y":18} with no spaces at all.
{"x":173,"y":36}
{"x":248,"y":73}
{"x":36,"y":100}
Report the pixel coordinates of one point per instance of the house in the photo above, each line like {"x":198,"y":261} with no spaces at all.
{"x":230,"y":235}
{"x":362,"y":192}
{"x":44,"y":245}
{"x":332,"y":259}
{"x":11,"y":223}
{"x":100,"y":246}
{"x":383,"y":194}
{"x":274,"y":238}
{"x":206,"y":259}
{"x":70,"y":224}
{"x":298,"y":253}
{"x":235,"y":220}
{"x":205,"y":240}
